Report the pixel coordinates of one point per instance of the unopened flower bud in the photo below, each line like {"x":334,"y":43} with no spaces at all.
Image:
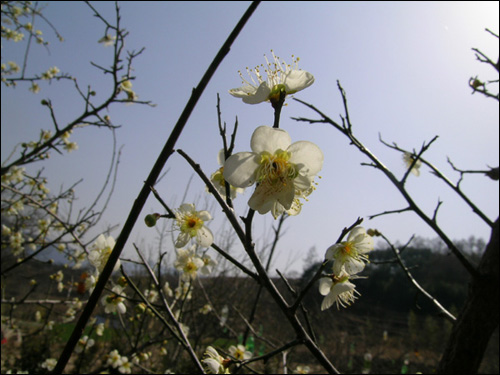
{"x":476,"y":83}
{"x":151,"y":219}
{"x":373,"y":232}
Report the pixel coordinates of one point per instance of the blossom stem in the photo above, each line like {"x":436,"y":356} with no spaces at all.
{"x":277,"y":105}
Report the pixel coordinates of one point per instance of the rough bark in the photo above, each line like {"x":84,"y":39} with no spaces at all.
{"x":479,"y":316}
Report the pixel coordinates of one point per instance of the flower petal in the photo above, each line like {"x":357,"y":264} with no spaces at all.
{"x":265,"y":138}
{"x":353,"y":266}
{"x":243,"y":91}
{"x":307,"y":156}
{"x":204,"y":237}
{"x":328,"y":301}
{"x":355,"y":232}
{"x":261,"y":95}
{"x":266,"y":194}
{"x":331,"y":251}
{"x":205,"y":215}
{"x":221,"y":157}
{"x":182,"y":240}
{"x":212,"y":365}
{"x":302,"y":182}
{"x":296,"y":80}
{"x":325,"y":285}
{"x":186,"y":207}
{"x":239,"y":169}
{"x":364,"y":244}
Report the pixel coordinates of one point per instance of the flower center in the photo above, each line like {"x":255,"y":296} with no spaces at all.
{"x":238,"y":354}
{"x":347,"y":249}
{"x":276,"y":168}
{"x":190,"y":267}
{"x":191,"y":224}
{"x":276,"y":71}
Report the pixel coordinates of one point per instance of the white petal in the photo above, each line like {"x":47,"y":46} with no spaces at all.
{"x":302,"y":182}
{"x":261,"y":95}
{"x":331,"y":251}
{"x":212,"y":352}
{"x":110,"y":241}
{"x":198,"y":262}
{"x":205,"y":215}
{"x":308,"y":156}
{"x":355,"y":232}
{"x":212,"y":364}
{"x":354,"y":266}
{"x":186,"y":207}
{"x":296,"y":80}
{"x":221,"y":157}
{"x":265,"y":138}
{"x":338,"y":266}
{"x":346,"y":286}
{"x":266,"y":194}
{"x":239,"y":169}
{"x":182,"y":240}
{"x":121,"y":308}
{"x":205,"y":238}
{"x":277,"y":209}
{"x":243,"y":91}
{"x":325,"y":284}
{"x":328,"y":301}
{"x":100,"y":242}
{"x":364,"y":244}
{"x":261,"y":203}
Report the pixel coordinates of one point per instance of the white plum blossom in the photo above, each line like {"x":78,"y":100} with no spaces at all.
{"x":84,"y":343}
{"x":214,"y":362}
{"x":351,"y":255}
{"x":114,"y":359}
{"x":107,"y":40}
{"x":337,"y":289}
{"x":188,"y":262}
{"x":239,"y":352}
{"x":279,"y":167}
{"x":205,"y":309}
{"x":125,"y":366}
{"x":49,"y":364}
{"x":113,"y":302}
{"x":408,"y":159}
{"x":100,"y":252}
{"x":151,"y":295}
{"x":280,"y":77}
{"x":99,"y":329}
{"x":126,"y":86}
{"x":191,"y":223}
{"x":208,"y":264}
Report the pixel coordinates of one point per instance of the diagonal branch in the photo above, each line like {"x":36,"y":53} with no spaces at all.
{"x":139,"y":203}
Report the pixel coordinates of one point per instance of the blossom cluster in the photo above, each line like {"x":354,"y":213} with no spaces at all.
{"x":217,"y":364}
{"x":349,"y":259}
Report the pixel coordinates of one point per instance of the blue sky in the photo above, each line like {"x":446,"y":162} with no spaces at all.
{"x":404,"y":66}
